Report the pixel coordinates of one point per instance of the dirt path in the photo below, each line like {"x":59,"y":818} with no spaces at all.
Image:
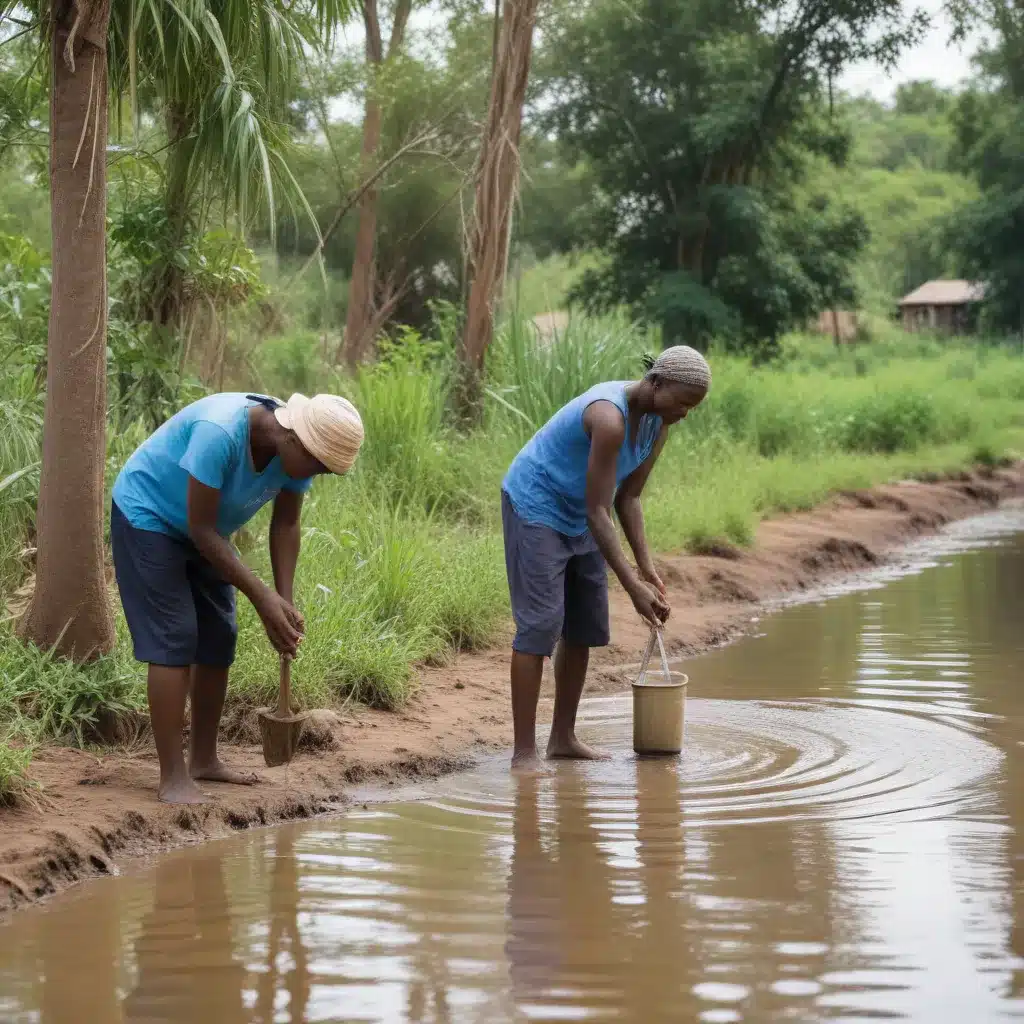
{"x":99,"y":810}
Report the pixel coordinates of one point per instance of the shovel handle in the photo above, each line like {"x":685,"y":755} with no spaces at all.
{"x":284,"y":697}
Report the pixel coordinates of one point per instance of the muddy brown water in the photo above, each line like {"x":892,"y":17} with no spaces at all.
{"x":841,"y":840}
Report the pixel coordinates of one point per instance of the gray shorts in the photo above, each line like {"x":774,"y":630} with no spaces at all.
{"x":558,"y":585}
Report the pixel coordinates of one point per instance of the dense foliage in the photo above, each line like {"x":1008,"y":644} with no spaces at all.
{"x":697,"y":122}
{"x":989,"y":234}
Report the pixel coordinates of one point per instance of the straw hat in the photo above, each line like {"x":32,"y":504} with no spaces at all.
{"x":328,"y":427}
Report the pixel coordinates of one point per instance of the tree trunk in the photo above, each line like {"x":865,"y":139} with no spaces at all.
{"x":70,"y":610}
{"x":359,"y":317}
{"x":497,"y":182}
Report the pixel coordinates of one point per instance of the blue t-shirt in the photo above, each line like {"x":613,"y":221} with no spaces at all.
{"x":208,"y":440}
{"x":547,"y":481}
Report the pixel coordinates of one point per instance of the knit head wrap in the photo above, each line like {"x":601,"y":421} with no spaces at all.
{"x":682,"y":364}
{"x":328,"y":427}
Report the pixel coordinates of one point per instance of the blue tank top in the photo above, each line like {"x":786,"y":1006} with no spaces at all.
{"x":547,"y":481}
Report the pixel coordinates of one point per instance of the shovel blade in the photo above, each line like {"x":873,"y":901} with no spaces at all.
{"x":280,"y":737}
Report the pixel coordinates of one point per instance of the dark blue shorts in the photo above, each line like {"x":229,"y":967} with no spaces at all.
{"x":179,"y":609}
{"x":558,"y":585}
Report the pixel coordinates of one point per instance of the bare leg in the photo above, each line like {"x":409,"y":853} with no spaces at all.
{"x":209,"y":685}
{"x":527,"y":672}
{"x":168,"y":688}
{"x":570,"y":674}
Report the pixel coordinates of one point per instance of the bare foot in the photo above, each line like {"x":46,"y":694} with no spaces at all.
{"x":526,"y":762}
{"x":573,"y":749}
{"x":220,"y":772}
{"x":181,"y":791}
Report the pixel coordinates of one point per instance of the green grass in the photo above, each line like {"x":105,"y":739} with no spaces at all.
{"x":21,"y":421}
{"x":43,"y":696}
{"x":15,"y":784}
{"x":402,"y":560}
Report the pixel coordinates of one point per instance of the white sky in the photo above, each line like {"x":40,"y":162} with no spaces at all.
{"x":933,"y":58}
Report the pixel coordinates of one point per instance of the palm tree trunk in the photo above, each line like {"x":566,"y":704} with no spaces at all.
{"x":70,"y":610}
{"x":497,"y":183}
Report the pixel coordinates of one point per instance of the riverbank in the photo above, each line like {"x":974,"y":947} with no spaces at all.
{"x":97,"y":810}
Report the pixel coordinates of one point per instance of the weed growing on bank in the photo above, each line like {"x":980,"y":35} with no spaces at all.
{"x":15,"y":785}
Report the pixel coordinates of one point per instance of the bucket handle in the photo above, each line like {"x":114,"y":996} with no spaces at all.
{"x":655,"y":639}
{"x":664,"y":660}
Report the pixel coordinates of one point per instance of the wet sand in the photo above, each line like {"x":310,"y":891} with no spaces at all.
{"x":99,"y":809}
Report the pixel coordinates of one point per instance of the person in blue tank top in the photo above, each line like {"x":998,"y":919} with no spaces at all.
{"x":205,"y":473}
{"x":594,"y":454}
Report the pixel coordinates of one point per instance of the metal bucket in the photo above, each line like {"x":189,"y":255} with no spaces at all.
{"x":659,"y":711}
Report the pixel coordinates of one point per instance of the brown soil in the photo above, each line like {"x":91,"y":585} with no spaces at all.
{"x":97,"y":810}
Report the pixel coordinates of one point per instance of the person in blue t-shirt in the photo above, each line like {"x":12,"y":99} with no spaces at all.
{"x":205,"y":473}
{"x":595,"y":453}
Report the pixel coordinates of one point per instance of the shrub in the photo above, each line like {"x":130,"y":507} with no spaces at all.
{"x":890,"y":422}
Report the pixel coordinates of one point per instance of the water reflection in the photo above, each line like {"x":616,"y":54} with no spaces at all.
{"x":840,"y":841}
{"x":286,"y":973}
{"x":186,"y":969}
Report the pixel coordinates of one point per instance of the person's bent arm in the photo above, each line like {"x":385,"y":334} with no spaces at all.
{"x":607,"y":430}
{"x":285,"y":541}
{"x":282,"y":621}
{"x":631,"y":513}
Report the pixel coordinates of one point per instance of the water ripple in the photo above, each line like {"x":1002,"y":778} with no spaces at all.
{"x":766,"y":761}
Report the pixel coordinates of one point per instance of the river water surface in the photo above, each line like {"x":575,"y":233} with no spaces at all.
{"x":841,"y":840}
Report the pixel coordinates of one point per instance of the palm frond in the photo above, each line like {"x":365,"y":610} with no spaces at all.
{"x":223,"y":75}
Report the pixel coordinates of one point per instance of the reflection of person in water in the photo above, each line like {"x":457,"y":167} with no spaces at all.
{"x":186,"y":970}
{"x":284,"y":923}
{"x":560,"y":913}
{"x":569,"y":938}
{"x":80,"y":979}
{"x":532,"y":947}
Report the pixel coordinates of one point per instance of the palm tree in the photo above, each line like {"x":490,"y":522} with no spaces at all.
{"x":69,"y":610}
{"x":220,"y":72}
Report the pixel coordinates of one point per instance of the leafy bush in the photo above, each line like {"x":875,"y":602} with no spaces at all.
{"x":890,"y":423}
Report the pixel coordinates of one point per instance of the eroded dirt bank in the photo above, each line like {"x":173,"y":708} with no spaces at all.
{"x":97,"y":811}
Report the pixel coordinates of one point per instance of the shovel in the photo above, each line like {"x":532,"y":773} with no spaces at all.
{"x":281,"y":729}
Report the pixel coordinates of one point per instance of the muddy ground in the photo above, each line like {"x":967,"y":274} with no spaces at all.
{"x":99,"y":809}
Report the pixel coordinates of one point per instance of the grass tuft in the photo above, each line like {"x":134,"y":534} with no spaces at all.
{"x":16,"y":787}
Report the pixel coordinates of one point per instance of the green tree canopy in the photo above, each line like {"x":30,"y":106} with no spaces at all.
{"x":696,"y":122}
{"x":988,"y":234}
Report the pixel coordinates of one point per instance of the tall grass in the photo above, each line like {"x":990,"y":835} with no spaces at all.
{"x":532,"y":376}
{"x":402,"y":561}
{"x":43,"y":696}
{"x":15,"y":784}
{"x":21,"y":422}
